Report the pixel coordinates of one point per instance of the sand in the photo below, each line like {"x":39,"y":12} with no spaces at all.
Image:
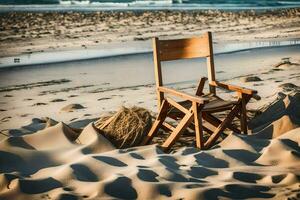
{"x":50,"y":148}
{"x":99,"y":86}
{"x":49,"y":31}
{"x":59,"y":163}
{"x":48,"y":159}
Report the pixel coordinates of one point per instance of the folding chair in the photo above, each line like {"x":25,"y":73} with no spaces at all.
{"x":195,"y":111}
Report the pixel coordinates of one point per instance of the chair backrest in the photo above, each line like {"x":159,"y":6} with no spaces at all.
{"x":197,"y":47}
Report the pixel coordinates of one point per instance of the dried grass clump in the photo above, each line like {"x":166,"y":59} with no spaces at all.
{"x":127,"y":127}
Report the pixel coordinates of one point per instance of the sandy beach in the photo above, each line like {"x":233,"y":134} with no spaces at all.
{"x":50,"y":148}
{"x":52,"y":31}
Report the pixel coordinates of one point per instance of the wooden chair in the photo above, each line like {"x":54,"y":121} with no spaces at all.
{"x":195,"y":111}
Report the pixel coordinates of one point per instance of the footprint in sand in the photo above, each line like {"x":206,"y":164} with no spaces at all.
{"x":287,"y":87}
{"x":8,"y":95}
{"x":28,"y":99}
{"x":57,"y":100}
{"x":72,"y":107}
{"x":286,"y":63}
{"x":251,"y":79}
{"x":73,"y":95}
{"x":256,"y":97}
{"x":25,"y":115}
{"x":2,"y":110}
{"x":5,"y":119}
{"x":39,"y":104}
{"x":276,"y":69}
{"x":104,"y":98}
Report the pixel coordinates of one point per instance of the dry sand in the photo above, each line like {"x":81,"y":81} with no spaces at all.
{"x":56,"y":163}
{"x":52,"y":160}
{"x":101,"y":86}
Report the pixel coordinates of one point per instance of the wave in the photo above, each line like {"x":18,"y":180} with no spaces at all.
{"x":119,"y":3}
{"x":197,"y":3}
{"x":141,"y":5}
{"x":149,"y":3}
{"x":28,"y":2}
{"x":289,"y":2}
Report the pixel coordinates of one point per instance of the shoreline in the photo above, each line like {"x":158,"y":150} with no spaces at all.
{"x":127,"y":49}
{"x":131,"y":6}
{"x":22,"y":8}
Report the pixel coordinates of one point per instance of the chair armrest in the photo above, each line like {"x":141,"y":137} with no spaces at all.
{"x":201,"y":86}
{"x":233,"y":88}
{"x":182,"y":95}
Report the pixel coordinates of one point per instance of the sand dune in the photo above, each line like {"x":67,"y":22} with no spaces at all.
{"x":279,"y":118}
{"x":58,"y":162}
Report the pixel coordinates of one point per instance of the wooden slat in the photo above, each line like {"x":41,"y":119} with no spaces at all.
{"x":157,"y":70}
{"x":233,"y":88}
{"x":184,"y":48}
{"x":216,"y":122}
{"x":243,"y":119}
{"x":211,"y":140}
{"x":157,"y":123}
{"x":199,"y":91}
{"x":168,"y":126}
{"x":177,"y":105}
{"x":198,"y":125}
{"x":166,"y":45}
{"x":211,"y":119}
{"x":184,"y":123}
{"x":185,"y":96}
{"x":208,"y":127}
{"x":183,"y":54}
{"x":210,"y":64}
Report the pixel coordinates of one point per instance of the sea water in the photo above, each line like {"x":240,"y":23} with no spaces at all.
{"x":92,"y":5}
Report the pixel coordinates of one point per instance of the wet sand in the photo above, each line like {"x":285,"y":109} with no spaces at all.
{"x":103,"y":85}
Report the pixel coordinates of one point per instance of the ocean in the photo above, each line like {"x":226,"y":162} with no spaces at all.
{"x":145,"y":4}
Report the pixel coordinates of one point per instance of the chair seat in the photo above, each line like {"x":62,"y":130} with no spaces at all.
{"x":215,"y":104}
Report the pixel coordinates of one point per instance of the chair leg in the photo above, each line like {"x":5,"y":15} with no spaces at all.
{"x":157,"y":123}
{"x":243,"y":116}
{"x":216,"y":122}
{"x":244,"y":100}
{"x":198,"y":125}
{"x":211,"y":140}
{"x":184,"y":123}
